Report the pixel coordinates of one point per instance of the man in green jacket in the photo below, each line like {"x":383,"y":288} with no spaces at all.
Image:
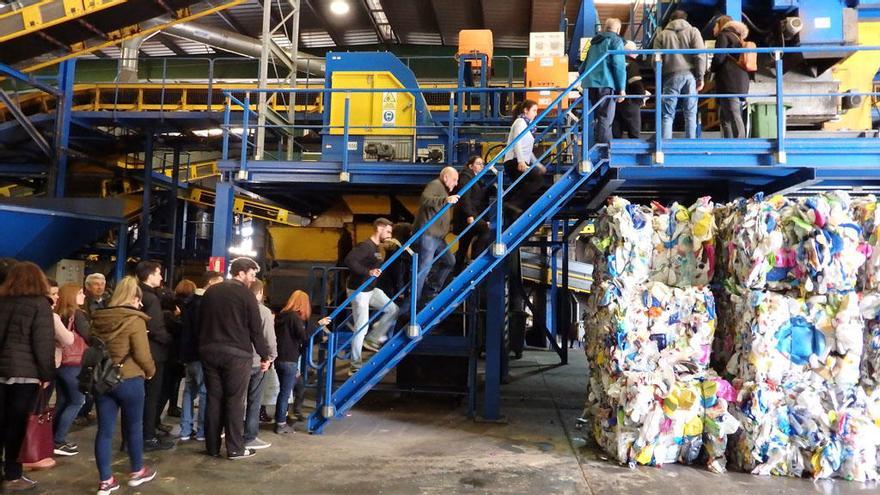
{"x":606,"y":79}
{"x":434,"y":197}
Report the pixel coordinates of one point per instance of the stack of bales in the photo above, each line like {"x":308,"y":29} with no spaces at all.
{"x":651,"y":322}
{"x":791,"y":337}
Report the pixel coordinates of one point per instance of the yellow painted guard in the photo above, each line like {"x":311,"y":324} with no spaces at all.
{"x":379,"y":113}
{"x":857,"y":74}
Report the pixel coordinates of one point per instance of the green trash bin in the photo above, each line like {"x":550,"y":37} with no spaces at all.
{"x":763,"y":120}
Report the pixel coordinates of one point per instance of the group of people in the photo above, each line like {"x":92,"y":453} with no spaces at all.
{"x":618,"y":81}
{"x":221,"y":335}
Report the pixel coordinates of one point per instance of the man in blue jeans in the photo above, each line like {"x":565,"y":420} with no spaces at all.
{"x":682,"y":74}
{"x":435,"y":196}
{"x":258,"y":375}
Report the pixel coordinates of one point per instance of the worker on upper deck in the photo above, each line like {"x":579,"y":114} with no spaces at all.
{"x":682,"y":74}
{"x":605,"y":79}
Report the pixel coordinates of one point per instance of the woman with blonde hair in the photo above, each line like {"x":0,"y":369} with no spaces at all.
{"x":122,"y":327}
{"x":290,"y":332}
{"x":69,"y":399}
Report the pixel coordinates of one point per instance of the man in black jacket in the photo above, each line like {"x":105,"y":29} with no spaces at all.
{"x":149,"y":274}
{"x":468,"y":208}
{"x":230,"y":332}
{"x":364,"y":262}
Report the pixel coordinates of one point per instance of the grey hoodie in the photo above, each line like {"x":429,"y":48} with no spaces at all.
{"x":678,"y":34}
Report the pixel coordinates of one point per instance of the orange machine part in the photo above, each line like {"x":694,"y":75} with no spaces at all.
{"x":546,"y":72}
{"x":471,"y":41}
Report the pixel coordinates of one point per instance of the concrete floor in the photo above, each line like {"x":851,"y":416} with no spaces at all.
{"x":422,"y":445}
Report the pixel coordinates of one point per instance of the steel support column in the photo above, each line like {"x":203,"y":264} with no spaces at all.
{"x":121,"y":251}
{"x":496,"y":311}
{"x":144,"y":229}
{"x":223,"y":219}
{"x":172,"y":213}
{"x":66,"y":73}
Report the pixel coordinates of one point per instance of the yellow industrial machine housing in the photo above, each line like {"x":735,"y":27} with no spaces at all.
{"x":367,"y":110}
{"x":857,"y":73}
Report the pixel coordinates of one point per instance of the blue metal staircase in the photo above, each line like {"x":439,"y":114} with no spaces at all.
{"x":334,"y":401}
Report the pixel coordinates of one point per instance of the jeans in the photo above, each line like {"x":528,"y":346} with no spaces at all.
{"x":254,"y":400}
{"x":194,"y":386}
{"x":674,"y":85}
{"x":603,"y":114}
{"x":226,"y":379}
{"x":360,"y":308}
{"x":16,"y":403}
{"x":69,"y":402}
{"x":429,"y":246}
{"x":287,"y":371}
{"x":129,"y":396}
{"x":731,"y":118}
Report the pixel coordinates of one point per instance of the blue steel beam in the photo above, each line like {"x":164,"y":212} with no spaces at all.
{"x":64,"y":105}
{"x":221,"y":236}
{"x":29,"y":79}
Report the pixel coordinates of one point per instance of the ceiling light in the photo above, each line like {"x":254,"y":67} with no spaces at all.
{"x":339,"y":7}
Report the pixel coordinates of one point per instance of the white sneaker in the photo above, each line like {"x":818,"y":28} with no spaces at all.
{"x":257,"y":444}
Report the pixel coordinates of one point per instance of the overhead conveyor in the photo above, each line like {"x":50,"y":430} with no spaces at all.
{"x":63,"y":29}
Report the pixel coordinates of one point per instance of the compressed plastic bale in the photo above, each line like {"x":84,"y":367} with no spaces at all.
{"x":621,"y":248}
{"x":647,"y":326}
{"x":867,"y":214}
{"x":870,"y":367}
{"x":684,"y":244}
{"x":752,"y":240}
{"x":658,"y":418}
{"x":763,"y":445}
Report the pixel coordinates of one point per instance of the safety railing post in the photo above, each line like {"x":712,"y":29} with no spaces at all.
{"x":586,"y":164}
{"x":413,"y":330}
{"x":344,"y":176}
{"x":499,"y":249}
{"x":244,"y":134}
{"x":780,"y":111}
{"x":450,"y":154}
{"x":329,"y":411}
{"x":226,"y":115}
{"x":658,"y":108}
{"x":210,"y":82}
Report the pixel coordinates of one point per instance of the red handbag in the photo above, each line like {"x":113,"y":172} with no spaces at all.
{"x":72,"y":354}
{"x":38,"y":443}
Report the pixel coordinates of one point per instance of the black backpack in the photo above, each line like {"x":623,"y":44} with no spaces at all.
{"x":99,"y":374}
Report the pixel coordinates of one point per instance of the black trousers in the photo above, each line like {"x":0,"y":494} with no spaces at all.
{"x":523,"y":194}
{"x":153,"y":401}
{"x":174,"y":372}
{"x":226,"y":380}
{"x":477,"y":239}
{"x":16,"y":403}
{"x":603,"y":115}
{"x":627,"y":120}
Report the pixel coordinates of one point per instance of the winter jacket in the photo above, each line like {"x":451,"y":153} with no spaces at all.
{"x":611,"y":72}
{"x":433,"y":199}
{"x":472,"y":202}
{"x":229,"y":322}
{"x":160,"y":339}
{"x":290,"y":331}
{"x":679,"y":35}
{"x":268,"y":321}
{"x":27,"y":338}
{"x":730,"y":78}
{"x":360,"y":260}
{"x":124,"y":330}
{"x":189,"y":327}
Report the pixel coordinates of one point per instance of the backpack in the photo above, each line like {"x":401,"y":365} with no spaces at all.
{"x":747,"y":61}
{"x":99,"y":374}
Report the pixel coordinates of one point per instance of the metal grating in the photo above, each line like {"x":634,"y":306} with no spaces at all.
{"x":315,"y":38}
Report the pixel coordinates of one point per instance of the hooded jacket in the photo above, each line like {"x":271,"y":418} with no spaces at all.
{"x":124,"y":330}
{"x":679,"y":35}
{"x":611,"y":72}
{"x":27,"y":338}
{"x":730,"y":78}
